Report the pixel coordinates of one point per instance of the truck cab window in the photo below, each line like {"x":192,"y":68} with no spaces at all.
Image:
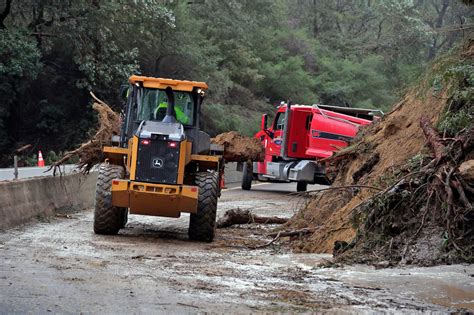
{"x":279,"y":121}
{"x":309,"y":118}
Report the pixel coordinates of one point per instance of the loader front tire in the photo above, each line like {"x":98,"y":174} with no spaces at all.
{"x":202,"y":225}
{"x":107,"y":218}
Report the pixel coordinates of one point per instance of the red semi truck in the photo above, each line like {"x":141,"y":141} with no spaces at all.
{"x":300,"y":136}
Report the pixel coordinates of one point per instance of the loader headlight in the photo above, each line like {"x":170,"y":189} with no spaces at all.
{"x":201,"y":92}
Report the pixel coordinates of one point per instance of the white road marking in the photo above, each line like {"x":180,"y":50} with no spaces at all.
{"x":259,"y":184}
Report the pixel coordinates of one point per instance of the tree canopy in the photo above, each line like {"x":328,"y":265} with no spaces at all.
{"x":252,"y":54}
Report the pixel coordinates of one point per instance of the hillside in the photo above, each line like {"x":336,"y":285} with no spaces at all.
{"x":405,"y":217}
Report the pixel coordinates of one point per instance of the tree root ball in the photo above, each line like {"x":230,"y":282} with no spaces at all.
{"x":238,"y":148}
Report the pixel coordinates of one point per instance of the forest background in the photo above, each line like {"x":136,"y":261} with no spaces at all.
{"x":253,"y":54}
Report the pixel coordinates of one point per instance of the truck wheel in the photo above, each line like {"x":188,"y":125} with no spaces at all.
{"x":107,"y":218}
{"x":202,"y":225}
{"x":247,"y":177}
{"x":301,"y":186}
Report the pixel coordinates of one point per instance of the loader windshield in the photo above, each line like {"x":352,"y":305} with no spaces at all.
{"x":154,"y":102}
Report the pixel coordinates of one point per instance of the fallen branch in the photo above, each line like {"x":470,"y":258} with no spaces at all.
{"x":90,"y":152}
{"x":239,"y":216}
{"x":335,"y":188}
{"x":293,"y":233}
{"x":280,"y":234}
{"x":268,"y":243}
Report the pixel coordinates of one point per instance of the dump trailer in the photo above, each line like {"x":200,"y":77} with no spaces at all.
{"x":299,"y":138}
{"x":161,"y":164}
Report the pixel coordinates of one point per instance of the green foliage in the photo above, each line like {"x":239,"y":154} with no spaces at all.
{"x":459,"y":77}
{"x":19,"y":57}
{"x":288,"y":80}
{"x":218,"y":118}
{"x":19,"y":65}
{"x":416,"y":162}
{"x":360,"y":83}
{"x":251,"y":53}
{"x":453,"y":122}
{"x":31,"y":160}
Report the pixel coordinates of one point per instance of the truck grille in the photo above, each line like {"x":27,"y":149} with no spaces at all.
{"x":157,"y":162}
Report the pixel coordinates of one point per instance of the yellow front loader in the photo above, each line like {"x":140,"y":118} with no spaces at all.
{"x":162,"y":164}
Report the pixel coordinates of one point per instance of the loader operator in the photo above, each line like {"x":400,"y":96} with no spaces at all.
{"x":180,"y":115}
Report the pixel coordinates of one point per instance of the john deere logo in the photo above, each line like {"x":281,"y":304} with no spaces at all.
{"x":158,"y":163}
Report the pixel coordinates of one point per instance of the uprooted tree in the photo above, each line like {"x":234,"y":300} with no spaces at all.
{"x":90,"y":152}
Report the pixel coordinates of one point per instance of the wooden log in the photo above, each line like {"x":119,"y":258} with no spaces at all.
{"x":293,"y":233}
{"x":433,"y":138}
{"x":239,"y":216}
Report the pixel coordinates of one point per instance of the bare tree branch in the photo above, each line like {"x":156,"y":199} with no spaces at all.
{"x":5,"y":13}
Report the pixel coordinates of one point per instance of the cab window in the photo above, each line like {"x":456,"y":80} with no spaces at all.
{"x":279,"y":121}
{"x":154,"y":103}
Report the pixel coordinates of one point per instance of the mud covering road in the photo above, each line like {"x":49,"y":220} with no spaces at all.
{"x":58,"y":265}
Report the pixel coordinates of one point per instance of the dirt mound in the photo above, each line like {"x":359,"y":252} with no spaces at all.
{"x":383,"y":153}
{"x":395,"y":139}
{"x":238,"y":148}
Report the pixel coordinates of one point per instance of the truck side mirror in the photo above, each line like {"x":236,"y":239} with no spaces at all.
{"x":264,"y":122}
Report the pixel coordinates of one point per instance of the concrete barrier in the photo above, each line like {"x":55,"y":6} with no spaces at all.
{"x":23,"y":200}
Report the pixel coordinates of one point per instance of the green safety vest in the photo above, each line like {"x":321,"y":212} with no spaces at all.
{"x":180,"y":115}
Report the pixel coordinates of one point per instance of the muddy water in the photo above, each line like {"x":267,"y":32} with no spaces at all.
{"x":450,"y":286}
{"x":60,"y":266}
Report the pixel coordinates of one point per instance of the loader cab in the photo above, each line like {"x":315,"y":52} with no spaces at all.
{"x":156,"y":104}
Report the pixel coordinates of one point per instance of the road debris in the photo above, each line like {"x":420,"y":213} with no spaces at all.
{"x":240,"y":216}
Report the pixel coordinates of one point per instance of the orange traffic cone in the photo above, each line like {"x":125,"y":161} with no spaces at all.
{"x":40,"y":159}
{"x":222,"y":183}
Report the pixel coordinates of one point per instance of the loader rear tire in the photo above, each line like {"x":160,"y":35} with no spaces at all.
{"x":202,"y":225}
{"x":247,"y":177}
{"x":107,"y":218}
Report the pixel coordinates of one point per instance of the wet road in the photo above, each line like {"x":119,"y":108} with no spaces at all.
{"x":59,"y":265}
{"x":28,"y":172}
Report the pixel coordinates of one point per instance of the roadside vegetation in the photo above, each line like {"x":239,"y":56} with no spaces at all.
{"x":253,"y":54}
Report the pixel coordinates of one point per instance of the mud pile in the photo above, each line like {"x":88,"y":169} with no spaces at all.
{"x":395,"y":219}
{"x":238,"y":148}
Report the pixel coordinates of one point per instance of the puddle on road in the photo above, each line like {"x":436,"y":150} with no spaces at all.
{"x":304,"y":261}
{"x":450,"y":286}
